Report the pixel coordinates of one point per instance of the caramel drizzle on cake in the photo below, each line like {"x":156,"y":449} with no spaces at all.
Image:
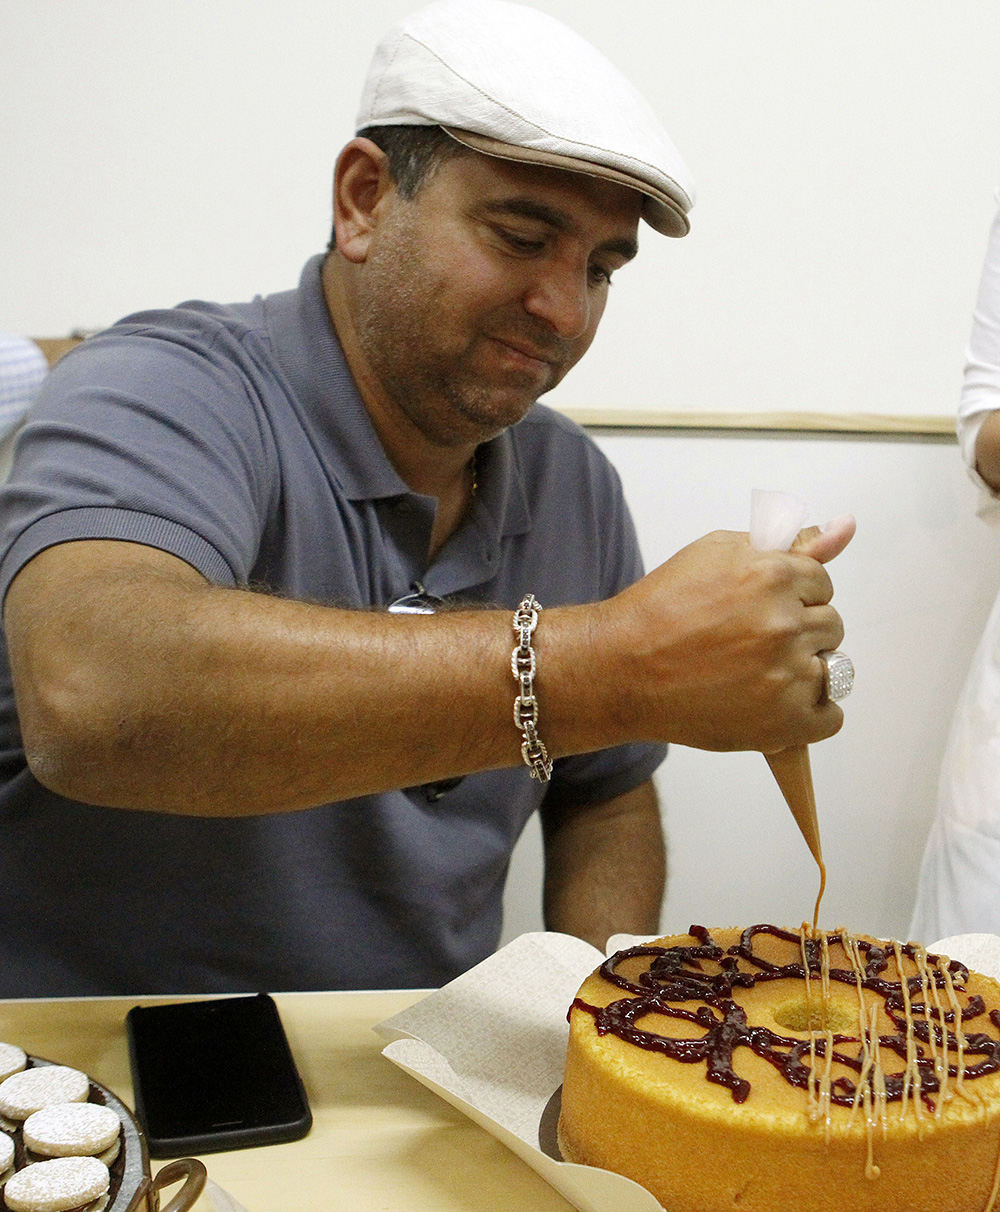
{"x":923,"y":1039}
{"x":812,"y":1095}
{"x":911,"y":1075}
{"x":870,"y":1090}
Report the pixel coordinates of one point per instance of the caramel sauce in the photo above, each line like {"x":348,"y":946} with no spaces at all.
{"x":911,"y":1074}
{"x":793,"y":774}
{"x":926,"y":1036}
{"x":819,"y":895}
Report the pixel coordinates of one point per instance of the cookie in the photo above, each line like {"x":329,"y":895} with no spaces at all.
{"x":6,"y":1153}
{"x":24,"y":1093}
{"x":57,"y":1185}
{"x":12,"y":1060}
{"x":72,"y":1130}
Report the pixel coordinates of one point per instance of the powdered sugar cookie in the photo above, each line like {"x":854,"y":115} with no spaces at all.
{"x":6,"y":1153}
{"x":28,"y":1091}
{"x":12,"y":1060}
{"x":57,"y":1185}
{"x":72,"y":1130}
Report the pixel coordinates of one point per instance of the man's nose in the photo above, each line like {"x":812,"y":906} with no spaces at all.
{"x":560,"y":296}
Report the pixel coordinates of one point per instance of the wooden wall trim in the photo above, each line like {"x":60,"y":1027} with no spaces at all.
{"x":793,"y":422}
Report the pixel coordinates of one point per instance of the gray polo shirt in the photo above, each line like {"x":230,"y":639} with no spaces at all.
{"x":234,"y":438}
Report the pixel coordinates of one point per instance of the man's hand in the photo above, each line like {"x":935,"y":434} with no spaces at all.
{"x":717,"y":648}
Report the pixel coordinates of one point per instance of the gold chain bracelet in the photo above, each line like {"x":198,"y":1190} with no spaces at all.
{"x":523,"y":664}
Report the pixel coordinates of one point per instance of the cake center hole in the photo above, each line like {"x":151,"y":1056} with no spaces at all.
{"x":800,"y":1015}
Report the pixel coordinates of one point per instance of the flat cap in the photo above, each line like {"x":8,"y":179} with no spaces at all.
{"x":511,"y":81}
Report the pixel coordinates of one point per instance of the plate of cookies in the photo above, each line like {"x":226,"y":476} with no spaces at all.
{"x":68,"y":1144}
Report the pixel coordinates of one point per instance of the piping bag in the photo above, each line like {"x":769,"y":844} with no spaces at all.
{"x":775,"y":519}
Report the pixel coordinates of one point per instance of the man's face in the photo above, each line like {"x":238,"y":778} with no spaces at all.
{"x":480,"y":293}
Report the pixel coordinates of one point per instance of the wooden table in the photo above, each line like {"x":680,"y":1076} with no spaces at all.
{"x":380,"y":1141}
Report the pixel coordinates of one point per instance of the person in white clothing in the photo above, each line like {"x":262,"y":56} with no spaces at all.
{"x":959,"y":887}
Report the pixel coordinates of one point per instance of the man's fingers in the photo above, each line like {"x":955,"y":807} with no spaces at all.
{"x":822,"y":722}
{"x":822,"y":629}
{"x":832,"y":719}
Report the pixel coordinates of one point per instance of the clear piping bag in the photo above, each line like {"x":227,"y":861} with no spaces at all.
{"x":775,"y":519}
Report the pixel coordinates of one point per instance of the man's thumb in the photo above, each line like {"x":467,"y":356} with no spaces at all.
{"x":824,"y":542}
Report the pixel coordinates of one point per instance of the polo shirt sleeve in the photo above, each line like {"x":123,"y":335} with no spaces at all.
{"x":150,"y":432}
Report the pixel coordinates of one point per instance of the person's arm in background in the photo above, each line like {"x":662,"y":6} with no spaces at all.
{"x":988,"y":449}
{"x":980,"y":398}
{"x":605,"y":867}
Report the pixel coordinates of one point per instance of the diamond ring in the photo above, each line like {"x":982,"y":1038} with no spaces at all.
{"x":838,"y":675}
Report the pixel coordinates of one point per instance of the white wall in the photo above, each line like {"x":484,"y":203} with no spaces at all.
{"x":846,"y":155}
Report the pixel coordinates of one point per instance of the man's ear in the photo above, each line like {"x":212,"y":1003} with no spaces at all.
{"x":361,"y":181}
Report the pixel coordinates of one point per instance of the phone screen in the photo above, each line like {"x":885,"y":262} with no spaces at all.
{"x":215,"y":1074}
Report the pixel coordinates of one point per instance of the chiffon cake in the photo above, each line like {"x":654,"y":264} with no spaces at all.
{"x":765,"y":1070}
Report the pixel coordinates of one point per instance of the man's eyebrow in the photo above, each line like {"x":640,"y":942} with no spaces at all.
{"x":559,"y":220}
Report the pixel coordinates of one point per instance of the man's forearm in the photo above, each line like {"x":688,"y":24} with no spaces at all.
{"x":605,"y":868}
{"x":176,"y":695}
{"x":140,"y":685}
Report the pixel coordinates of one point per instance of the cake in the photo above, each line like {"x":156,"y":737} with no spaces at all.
{"x":764,"y":1070}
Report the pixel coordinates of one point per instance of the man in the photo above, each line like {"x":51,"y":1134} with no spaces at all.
{"x":214,"y":507}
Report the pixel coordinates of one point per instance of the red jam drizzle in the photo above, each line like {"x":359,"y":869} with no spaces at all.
{"x":676,"y":975}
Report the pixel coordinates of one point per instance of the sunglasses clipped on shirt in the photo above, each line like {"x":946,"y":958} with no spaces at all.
{"x":419,"y":602}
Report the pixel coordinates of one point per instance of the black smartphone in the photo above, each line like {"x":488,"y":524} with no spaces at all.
{"x":213,"y":1075}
